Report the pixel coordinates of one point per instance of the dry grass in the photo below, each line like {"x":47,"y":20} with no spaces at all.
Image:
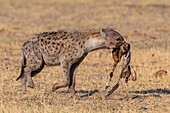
{"x":145,"y":25}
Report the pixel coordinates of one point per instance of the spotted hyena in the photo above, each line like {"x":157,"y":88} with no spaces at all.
{"x":65,"y":48}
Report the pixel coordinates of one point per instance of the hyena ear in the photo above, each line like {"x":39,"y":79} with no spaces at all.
{"x":103,"y":32}
{"x":111,"y":29}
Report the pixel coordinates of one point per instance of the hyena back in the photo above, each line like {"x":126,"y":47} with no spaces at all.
{"x":65,"y":48}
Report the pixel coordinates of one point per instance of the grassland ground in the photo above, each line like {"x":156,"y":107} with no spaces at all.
{"x":143,"y":24}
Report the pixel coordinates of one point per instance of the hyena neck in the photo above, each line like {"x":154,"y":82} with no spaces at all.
{"x":95,"y":43}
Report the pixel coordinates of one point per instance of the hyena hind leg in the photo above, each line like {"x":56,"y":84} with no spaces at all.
{"x":30,"y":71}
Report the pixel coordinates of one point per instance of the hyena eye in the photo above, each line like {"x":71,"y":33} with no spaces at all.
{"x":117,"y":39}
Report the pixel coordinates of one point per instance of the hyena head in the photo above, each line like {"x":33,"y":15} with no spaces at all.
{"x":113,"y":38}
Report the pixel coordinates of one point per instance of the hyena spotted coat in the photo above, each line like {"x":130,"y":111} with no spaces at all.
{"x":65,"y":48}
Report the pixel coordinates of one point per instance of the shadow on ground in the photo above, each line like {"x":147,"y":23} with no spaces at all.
{"x":150,"y":93}
{"x":147,"y":93}
{"x":160,"y":91}
{"x":86,"y":93}
{"x":130,"y":97}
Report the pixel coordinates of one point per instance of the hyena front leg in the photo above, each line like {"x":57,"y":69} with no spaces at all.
{"x":73,"y":78}
{"x":65,"y":67}
{"x":69,"y":77}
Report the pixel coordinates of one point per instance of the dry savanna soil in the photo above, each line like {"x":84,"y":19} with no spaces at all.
{"x":145,"y":24}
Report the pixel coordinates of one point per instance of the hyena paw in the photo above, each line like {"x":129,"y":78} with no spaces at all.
{"x":31,"y":84}
{"x":55,"y":87}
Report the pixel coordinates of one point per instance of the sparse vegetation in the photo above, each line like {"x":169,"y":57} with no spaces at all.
{"x":144,"y":24}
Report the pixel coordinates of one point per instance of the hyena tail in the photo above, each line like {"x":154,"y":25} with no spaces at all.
{"x":23,"y":65}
